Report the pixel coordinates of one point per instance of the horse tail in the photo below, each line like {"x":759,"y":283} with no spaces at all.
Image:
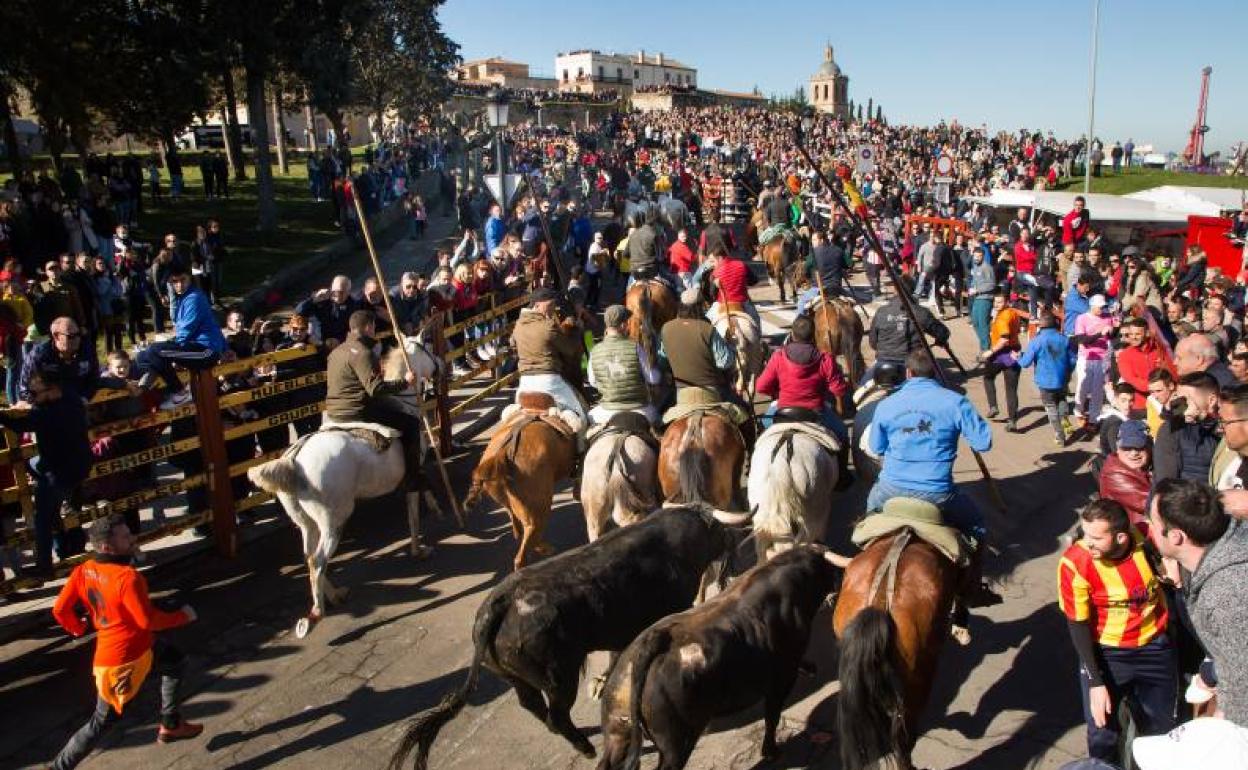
{"x":645,"y":309}
{"x":781,"y":509}
{"x":280,"y":475}
{"x":870,"y":708}
{"x":423,"y":729}
{"x":693,"y":468}
{"x":848,"y":349}
{"x":649,"y":647}
{"x":492,"y":468}
{"x":622,"y":492}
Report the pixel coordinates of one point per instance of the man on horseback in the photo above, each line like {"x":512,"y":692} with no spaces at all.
{"x":357,"y":392}
{"x":549,"y":358}
{"x":894,"y":336}
{"x":647,"y":249}
{"x":916,"y":431}
{"x":619,"y":371}
{"x":701,"y":361}
{"x":799,"y":376}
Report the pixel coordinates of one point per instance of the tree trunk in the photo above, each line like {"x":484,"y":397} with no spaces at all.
{"x":233,"y":133}
{"x":310,"y":132}
{"x":279,"y":133}
{"x":55,"y":134}
{"x":257,"y":106}
{"x":335,"y":120}
{"x":17,"y":164}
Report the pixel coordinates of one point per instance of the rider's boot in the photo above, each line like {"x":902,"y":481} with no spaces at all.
{"x":844,"y":476}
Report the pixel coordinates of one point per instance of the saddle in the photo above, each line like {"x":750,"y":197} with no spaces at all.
{"x":376,"y":435}
{"x":693,"y":399}
{"x":772,"y":232}
{"x":792,"y":414}
{"x":627,"y":424}
{"x":922,"y":518}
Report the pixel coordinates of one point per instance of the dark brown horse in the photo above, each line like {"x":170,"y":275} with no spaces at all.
{"x":891,"y":629}
{"x":700,"y":460}
{"x":519,"y":470}
{"x":652,"y":304}
{"x":839,"y":332}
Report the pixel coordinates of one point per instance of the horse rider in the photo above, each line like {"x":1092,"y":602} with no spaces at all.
{"x":647,"y":250}
{"x":356,"y":391}
{"x":700,"y":360}
{"x":894,"y":336}
{"x":618,"y":370}
{"x":916,"y":431}
{"x":828,"y":259}
{"x":801,"y":376}
{"x":549,"y":358}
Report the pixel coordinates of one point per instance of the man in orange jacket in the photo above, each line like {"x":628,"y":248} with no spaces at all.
{"x":114,"y":595}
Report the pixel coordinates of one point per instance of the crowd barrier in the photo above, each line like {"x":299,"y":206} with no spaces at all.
{"x":204,"y":448}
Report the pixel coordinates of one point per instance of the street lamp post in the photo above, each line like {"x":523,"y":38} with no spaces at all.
{"x":1087,"y":152}
{"x":538,"y":105}
{"x":496,"y":110}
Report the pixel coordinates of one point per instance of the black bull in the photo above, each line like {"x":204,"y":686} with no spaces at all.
{"x":536,"y":628}
{"x":743,"y":646}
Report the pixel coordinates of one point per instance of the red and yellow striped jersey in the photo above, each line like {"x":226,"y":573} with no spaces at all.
{"x":1121,"y":599}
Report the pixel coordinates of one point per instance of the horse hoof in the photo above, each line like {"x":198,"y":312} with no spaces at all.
{"x":961,"y":635}
{"x":421,"y":552}
{"x":304,"y":626}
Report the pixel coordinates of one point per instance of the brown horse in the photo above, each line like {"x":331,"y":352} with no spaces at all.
{"x":652,"y":304}
{"x":780,"y":255}
{"x":700,"y":460}
{"x":519,"y":470}
{"x":839,"y":332}
{"x":890,"y":642}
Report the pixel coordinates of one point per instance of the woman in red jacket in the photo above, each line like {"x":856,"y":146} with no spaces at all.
{"x":465,"y":305}
{"x":800,"y":375}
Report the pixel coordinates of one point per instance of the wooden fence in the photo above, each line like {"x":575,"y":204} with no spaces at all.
{"x":193,"y":444}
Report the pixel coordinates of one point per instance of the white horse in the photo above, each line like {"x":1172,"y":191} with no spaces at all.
{"x":791,"y":485}
{"x":746,"y":341}
{"x":622,"y":485}
{"x":320,"y":479}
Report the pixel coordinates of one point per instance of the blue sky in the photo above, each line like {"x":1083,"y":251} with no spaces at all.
{"x":1004,"y":63}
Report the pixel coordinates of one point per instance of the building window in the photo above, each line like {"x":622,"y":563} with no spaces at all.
{"x":600,"y":73}
{"x":565,"y":76}
{"x":619,"y":74}
{"x":667,"y":77}
{"x":636,"y":75}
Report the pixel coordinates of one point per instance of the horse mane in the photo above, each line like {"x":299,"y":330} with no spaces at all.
{"x":392,"y":366}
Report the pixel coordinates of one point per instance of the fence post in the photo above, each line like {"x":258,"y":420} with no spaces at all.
{"x":216,"y":462}
{"x":443,"y":389}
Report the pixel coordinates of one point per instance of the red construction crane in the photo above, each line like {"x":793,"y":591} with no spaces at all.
{"x":1194,"y":153}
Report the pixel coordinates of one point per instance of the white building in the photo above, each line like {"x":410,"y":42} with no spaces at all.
{"x":592,"y":71}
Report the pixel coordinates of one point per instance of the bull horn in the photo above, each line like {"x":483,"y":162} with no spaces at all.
{"x":729,"y":519}
{"x":837,"y":560}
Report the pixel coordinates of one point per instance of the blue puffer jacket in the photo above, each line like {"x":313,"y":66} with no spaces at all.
{"x":916,"y":431}
{"x":1049,"y":351}
{"x":193,"y":321}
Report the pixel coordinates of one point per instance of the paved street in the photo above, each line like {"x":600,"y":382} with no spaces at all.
{"x":340,"y":697}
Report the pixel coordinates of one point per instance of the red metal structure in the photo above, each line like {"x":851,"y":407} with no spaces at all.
{"x":1194,"y":153}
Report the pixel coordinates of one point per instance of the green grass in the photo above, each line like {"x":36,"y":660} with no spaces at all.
{"x":1134,"y":180}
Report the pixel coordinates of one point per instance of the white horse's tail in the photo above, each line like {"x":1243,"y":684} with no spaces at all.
{"x":781,"y":508}
{"x":626,"y":498}
{"x":280,"y":475}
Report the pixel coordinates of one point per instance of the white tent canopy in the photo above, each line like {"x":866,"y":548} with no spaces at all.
{"x":1103,"y":207}
{"x":1204,"y":201}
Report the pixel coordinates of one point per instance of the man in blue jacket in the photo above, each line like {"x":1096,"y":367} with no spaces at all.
{"x":916,"y":431}
{"x":1077,"y":302}
{"x":1049,"y":352}
{"x":197,"y":342}
{"x":495,"y":229}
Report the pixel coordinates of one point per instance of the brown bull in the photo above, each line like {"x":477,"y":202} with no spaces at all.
{"x":519,"y":470}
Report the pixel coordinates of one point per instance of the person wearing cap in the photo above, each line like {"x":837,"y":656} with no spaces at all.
{"x":1091,"y":333}
{"x":114,"y":596}
{"x":619,"y":371}
{"x":1117,"y":617}
{"x":1126,"y":475}
{"x":549,"y":360}
{"x":1188,"y":523}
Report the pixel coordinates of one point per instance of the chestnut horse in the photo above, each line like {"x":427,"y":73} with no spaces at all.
{"x":780,"y":255}
{"x":652,"y":304}
{"x":839,"y":332}
{"x":700,"y":460}
{"x":519,"y":470}
{"x":891,"y":617}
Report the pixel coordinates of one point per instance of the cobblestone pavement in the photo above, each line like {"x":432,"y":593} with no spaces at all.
{"x":340,"y":697}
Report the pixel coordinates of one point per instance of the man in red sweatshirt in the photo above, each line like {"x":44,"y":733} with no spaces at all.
{"x":1137,"y":360}
{"x":114,"y":596}
{"x":1075,"y":224}
{"x":800,"y":375}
